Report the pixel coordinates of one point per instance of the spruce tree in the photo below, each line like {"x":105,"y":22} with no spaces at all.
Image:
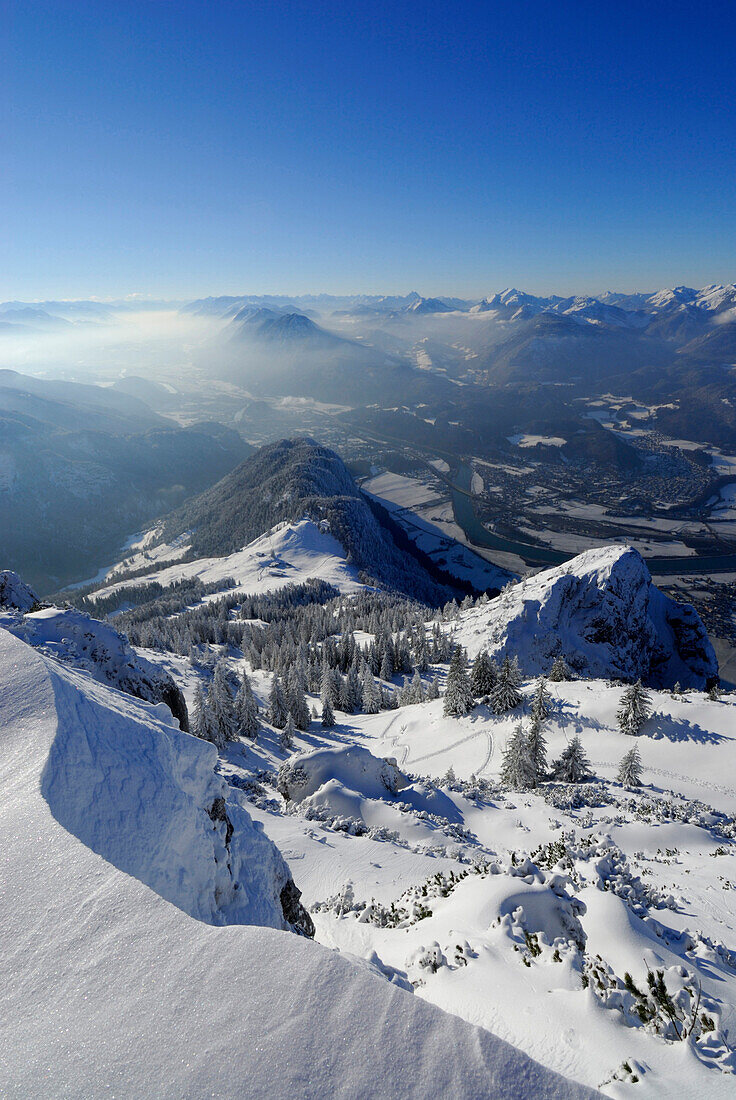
{"x":246,"y":709}
{"x":458,"y":692}
{"x":517,"y":769}
{"x":634,"y":708}
{"x":537,"y":747}
{"x":286,"y":737}
{"x":630,"y":768}
{"x":328,"y":718}
{"x":482,"y":675}
{"x":559,"y":670}
{"x":505,"y":695}
{"x":371,"y":699}
{"x":296,"y":702}
{"x":542,"y":701}
{"x":201,"y":718}
{"x":222,"y":706}
{"x":573,"y":766}
{"x":416,"y":688}
{"x":277,"y":709}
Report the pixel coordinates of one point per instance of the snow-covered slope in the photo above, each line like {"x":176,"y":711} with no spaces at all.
{"x":84,"y":643}
{"x":289,"y":554}
{"x":112,"y":989}
{"x":603,"y":614}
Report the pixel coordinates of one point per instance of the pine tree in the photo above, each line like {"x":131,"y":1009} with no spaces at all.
{"x":246,"y":709}
{"x":328,"y":718}
{"x":277,"y":709}
{"x":433,"y":690}
{"x":505,"y":695}
{"x":517,"y":769}
{"x":387,"y":666}
{"x":286,"y":737}
{"x":559,"y":670}
{"x":630,"y":768}
{"x":634,"y":708}
{"x":482,"y":675}
{"x":222,"y":706}
{"x":458,"y":692}
{"x":573,"y":766}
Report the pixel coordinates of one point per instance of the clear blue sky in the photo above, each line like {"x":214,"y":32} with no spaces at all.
{"x":178,"y":149}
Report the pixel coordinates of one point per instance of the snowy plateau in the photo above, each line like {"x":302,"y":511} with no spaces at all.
{"x":342,"y":887}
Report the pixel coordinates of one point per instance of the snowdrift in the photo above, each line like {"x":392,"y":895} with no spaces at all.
{"x":352,"y":767}
{"x":116,"y":990}
{"x":603,"y":614}
{"x":78,"y":640}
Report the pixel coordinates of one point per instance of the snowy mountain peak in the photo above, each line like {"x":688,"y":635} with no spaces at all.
{"x":603,"y":614}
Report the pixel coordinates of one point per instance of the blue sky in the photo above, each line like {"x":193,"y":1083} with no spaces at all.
{"x":178,"y":149}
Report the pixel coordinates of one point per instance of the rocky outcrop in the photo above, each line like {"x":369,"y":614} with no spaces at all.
{"x":603,"y":614}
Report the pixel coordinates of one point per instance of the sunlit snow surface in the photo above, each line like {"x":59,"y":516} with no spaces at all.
{"x":110,"y":989}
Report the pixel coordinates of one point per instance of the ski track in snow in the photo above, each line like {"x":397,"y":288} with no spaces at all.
{"x":455,"y":745}
{"x":672,"y":775}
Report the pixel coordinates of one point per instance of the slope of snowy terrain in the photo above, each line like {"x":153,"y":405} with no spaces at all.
{"x":114,"y":989}
{"x":288,"y":554}
{"x":524,"y":911}
{"x":85,"y":643}
{"x":603,"y":614}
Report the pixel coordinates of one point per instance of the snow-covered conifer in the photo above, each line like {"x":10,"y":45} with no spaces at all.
{"x":517,"y":769}
{"x":505,"y":695}
{"x":573,"y":766}
{"x":416,"y":688}
{"x":277,"y":709}
{"x":222,"y":706}
{"x":537,"y":747}
{"x":370,"y":697}
{"x":201,"y":717}
{"x":482,"y":674}
{"x":246,"y":709}
{"x":559,"y":670}
{"x":630,"y":768}
{"x":328,"y":718}
{"x":634,"y":708}
{"x":296,"y":701}
{"x":286,"y":737}
{"x":542,"y":701}
{"x":458,"y":692}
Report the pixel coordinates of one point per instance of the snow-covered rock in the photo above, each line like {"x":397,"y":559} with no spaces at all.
{"x":603,"y":614}
{"x":14,"y":594}
{"x":74,"y":638}
{"x":352,"y":767}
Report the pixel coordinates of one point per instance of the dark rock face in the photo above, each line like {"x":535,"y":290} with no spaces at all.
{"x":294,"y":912}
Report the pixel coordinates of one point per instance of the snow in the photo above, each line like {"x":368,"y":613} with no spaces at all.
{"x":85,"y":643}
{"x":406,"y":492}
{"x":601,"y":611}
{"x":116,"y":990}
{"x":289,"y":554}
{"x":523,"y":439}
